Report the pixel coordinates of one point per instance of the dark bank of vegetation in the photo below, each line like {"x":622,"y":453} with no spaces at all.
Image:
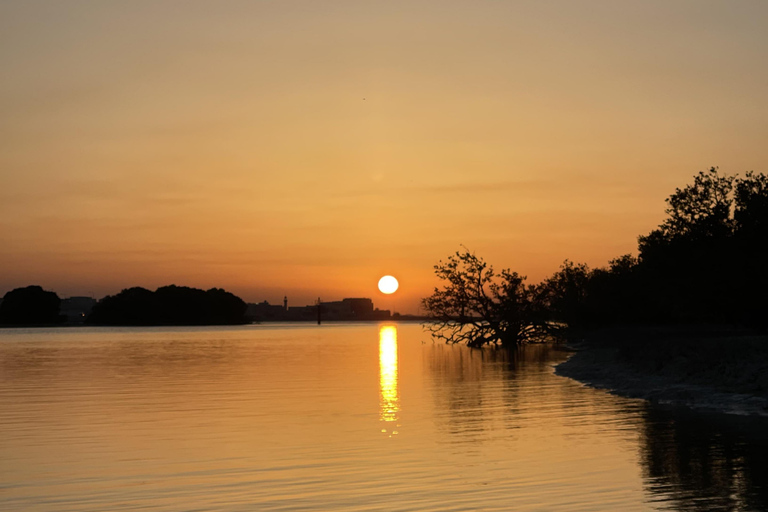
{"x":169,"y":305}
{"x":30,"y":306}
{"x":682,"y":323}
{"x":704,"y":265}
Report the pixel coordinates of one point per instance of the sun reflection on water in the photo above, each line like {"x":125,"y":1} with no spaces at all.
{"x":389,"y":401}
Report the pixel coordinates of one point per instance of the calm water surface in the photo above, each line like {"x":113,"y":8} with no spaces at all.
{"x":342,"y":417}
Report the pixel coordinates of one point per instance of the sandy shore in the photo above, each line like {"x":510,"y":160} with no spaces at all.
{"x":704,"y":371}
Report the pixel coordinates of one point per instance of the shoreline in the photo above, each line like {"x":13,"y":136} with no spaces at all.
{"x":266,"y":323}
{"x":712,"y":372}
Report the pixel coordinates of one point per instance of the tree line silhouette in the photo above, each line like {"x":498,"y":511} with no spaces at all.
{"x":707,"y":263}
{"x":168,"y":305}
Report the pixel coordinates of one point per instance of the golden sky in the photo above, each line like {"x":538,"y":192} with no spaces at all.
{"x":308,"y":147}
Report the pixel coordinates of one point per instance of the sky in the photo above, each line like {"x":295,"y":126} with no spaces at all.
{"x":306,"y":148}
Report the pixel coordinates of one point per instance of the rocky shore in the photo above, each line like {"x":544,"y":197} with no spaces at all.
{"x":709,"y":369}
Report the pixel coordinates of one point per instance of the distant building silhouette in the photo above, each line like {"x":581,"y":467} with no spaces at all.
{"x":266,"y":312}
{"x":76,"y":309}
{"x":349,"y":309}
{"x":353,"y":309}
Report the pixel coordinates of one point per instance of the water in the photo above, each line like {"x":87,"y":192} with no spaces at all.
{"x":342,"y":417}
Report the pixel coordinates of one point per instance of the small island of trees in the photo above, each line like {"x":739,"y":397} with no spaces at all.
{"x":168,"y":305}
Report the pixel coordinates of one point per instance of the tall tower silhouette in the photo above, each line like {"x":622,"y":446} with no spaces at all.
{"x":285,"y":303}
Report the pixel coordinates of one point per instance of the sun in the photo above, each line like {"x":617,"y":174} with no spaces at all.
{"x":388,"y":284}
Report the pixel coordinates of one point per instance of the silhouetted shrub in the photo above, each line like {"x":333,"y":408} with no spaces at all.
{"x":30,"y":306}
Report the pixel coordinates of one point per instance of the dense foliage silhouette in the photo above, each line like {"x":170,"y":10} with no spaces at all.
{"x":169,"y":305}
{"x":30,"y":306}
{"x":705,"y":264}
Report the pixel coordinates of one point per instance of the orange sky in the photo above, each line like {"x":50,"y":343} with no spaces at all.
{"x":307,"y":148}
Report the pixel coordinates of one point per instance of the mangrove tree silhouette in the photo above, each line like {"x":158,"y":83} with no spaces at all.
{"x":476,"y":306}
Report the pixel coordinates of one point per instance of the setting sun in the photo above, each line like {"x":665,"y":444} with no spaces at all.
{"x":388,"y":284}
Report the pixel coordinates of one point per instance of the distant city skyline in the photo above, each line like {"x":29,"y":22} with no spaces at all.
{"x":34,"y":305}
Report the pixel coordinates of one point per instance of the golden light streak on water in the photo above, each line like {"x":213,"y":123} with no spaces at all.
{"x":389,"y":400}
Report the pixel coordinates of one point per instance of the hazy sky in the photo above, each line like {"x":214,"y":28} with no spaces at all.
{"x":308,"y":147}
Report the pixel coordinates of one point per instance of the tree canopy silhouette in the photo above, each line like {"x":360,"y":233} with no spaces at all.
{"x":169,"y":305}
{"x":477,"y":306}
{"x":705,"y":264}
{"x":30,"y":306}
{"x":706,"y":261}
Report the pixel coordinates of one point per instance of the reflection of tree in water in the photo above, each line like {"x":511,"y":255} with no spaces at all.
{"x":478,"y":388}
{"x":703,"y":463}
